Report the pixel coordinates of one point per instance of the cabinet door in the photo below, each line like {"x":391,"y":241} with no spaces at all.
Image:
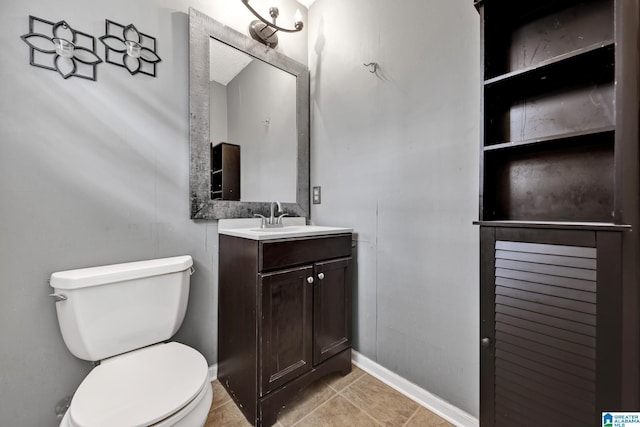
{"x":285,"y":322}
{"x":332,"y":308}
{"x":550,"y":325}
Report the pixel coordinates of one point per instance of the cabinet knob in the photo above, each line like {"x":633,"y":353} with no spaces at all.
{"x":320,"y":276}
{"x":309,"y":279}
{"x":485,"y":342}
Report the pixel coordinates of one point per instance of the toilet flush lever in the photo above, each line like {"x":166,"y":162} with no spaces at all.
{"x":191,"y":271}
{"x":58,"y":297}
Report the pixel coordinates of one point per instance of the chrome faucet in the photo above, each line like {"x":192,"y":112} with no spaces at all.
{"x":272,"y":218}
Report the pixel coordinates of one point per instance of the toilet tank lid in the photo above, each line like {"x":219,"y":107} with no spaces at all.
{"x":93,"y":276}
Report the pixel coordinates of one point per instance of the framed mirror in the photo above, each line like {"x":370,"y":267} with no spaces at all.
{"x":249,"y":125}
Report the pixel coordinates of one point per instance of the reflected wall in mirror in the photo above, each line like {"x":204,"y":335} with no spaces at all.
{"x":252,"y":106}
{"x":262,"y":107}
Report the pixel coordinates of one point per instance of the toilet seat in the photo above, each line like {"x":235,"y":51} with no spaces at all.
{"x":140,"y":388}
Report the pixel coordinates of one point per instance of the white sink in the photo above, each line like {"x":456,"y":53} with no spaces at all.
{"x":249,"y":228}
{"x":287,"y":229}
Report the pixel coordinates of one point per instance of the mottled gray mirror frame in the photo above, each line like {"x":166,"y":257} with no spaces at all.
{"x":201,"y":29}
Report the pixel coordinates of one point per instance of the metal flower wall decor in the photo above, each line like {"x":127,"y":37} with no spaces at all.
{"x":58,"y":47}
{"x":126,"y":47}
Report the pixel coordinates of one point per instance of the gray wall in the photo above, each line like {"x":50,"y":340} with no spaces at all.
{"x":218,"y":131}
{"x":97,"y":172}
{"x":268,"y":154}
{"x":396,"y":156}
{"x":94,"y":173}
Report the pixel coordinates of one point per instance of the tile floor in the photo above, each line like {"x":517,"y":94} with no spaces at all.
{"x":355,"y":400}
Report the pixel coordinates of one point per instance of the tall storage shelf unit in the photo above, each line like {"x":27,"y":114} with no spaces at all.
{"x":225,"y":171}
{"x":559,"y":206}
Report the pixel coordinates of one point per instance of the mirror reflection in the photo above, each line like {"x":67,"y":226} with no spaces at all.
{"x":250,"y":122}
{"x":253,"y":135}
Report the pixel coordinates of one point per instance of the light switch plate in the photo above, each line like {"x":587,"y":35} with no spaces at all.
{"x":316,"y":195}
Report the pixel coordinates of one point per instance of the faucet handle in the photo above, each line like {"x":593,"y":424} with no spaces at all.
{"x":263,"y":220}
{"x":279,"y":221}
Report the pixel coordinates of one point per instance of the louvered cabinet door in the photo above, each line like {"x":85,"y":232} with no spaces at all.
{"x":550,"y":326}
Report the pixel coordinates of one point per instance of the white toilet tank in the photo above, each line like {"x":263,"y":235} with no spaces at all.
{"x":117,"y":308}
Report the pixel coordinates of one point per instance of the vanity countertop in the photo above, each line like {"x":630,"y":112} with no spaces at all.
{"x":249,"y":228}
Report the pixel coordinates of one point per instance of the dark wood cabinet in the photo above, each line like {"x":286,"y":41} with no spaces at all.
{"x":286,"y":342}
{"x":225,"y":171}
{"x":551,"y":326}
{"x":559,"y":209}
{"x":331,"y":310}
{"x":284,"y":318}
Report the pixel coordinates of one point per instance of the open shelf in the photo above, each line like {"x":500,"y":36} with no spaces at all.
{"x":578,"y":58}
{"x":556,"y":139}
{"x":570,"y":96}
{"x":525,"y":35}
{"x":549,"y":101}
{"x":572,"y":181}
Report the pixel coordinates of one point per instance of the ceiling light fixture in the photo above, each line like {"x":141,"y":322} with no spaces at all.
{"x":265,"y":31}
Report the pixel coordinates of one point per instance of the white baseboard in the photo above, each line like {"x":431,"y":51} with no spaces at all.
{"x":213,"y":372}
{"x":430,"y":401}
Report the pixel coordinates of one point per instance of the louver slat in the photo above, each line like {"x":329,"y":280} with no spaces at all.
{"x":523,"y":389}
{"x":545,"y":334}
{"x":587,"y":374}
{"x":533,"y":349}
{"x":544,"y":410}
{"x":568,"y":325}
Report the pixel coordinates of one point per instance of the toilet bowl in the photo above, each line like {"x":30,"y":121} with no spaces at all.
{"x":121,"y":315}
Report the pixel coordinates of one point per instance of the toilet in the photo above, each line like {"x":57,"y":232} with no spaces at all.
{"x":122,"y":316}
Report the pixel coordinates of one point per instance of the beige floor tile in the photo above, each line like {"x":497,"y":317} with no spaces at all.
{"x":377,"y":399}
{"x":338,"y":382}
{"x":220,"y":395}
{"x":337,"y":412}
{"x":304,"y":402}
{"x":227,"y":415}
{"x":426,"y":418}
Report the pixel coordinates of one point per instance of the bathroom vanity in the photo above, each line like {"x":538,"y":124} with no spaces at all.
{"x":284,"y":313}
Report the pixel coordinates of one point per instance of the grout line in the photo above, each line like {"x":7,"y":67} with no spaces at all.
{"x":219,"y":407}
{"x":226,"y":399}
{"x":412,"y":416}
{"x":354,"y":403}
{"x":357,"y":406}
{"x":348,"y":384}
{"x":314,"y":410}
{"x":333,"y":395}
{"x":225,"y":404}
